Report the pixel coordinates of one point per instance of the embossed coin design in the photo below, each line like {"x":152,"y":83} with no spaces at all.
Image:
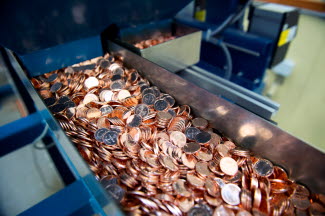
{"x":116,"y":192}
{"x":149,"y":99}
{"x":110,"y":138}
{"x":100,"y":133}
{"x":160,"y":105}
{"x":142,"y":110}
{"x":263,"y":167}
{"x":191,"y":133}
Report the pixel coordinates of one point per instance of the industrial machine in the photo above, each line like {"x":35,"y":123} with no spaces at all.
{"x":46,"y":36}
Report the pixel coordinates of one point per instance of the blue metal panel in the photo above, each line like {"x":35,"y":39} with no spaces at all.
{"x":60,"y":56}
{"x":21,"y":132}
{"x":218,"y":10}
{"x":83,"y":197}
{"x":248,"y":69}
{"x":35,"y":25}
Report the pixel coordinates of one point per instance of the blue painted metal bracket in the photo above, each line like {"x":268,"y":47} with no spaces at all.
{"x":21,"y":132}
{"x":79,"y":198}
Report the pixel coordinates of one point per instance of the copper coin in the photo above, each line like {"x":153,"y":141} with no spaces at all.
{"x":191,"y":148}
{"x":142,"y":110}
{"x":228,"y":166}
{"x":204,"y":154}
{"x":178,"y":138}
{"x":106,"y":95}
{"x":211,"y":187}
{"x":134,"y":120}
{"x":100,"y":133}
{"x":156,"y":91}
{"x":194,"y":180}
{"x":230,"y":194}
{"x":223,"y":211}
{"x":147,"y":91}
{"x":93,"y":113}
{"x":180,"y":189}
{"x":203,"y":137}
{"x":69,"y":104}
{"x":91,"y":82}
{"x":149,"y":99}
{"x":160,"y":105}
{"x":123,"y":94}
{"x":90,"y":98}
{"x":223,"y":150}
{"x":70,"y":112}
{"x":202,"y":168}
{"x":49,"y":101}
{"x":200,"y":210}
{"x":168,"y":163}
{"x":57,"y":108}
{"x":110,"y":138}
{"x":200,"y":123}
{"x":172,"y":112}
{"x":63,"y":99}
{"x":191,"y":133}
{"x":263,"y":167}
{"x":104,"y":63}
{"x":106,"y":109}
{"x":117,"y":85}
{"x":170,"y":100}
{"x":189,"y":161}
{"x":185,"y":203}
{"x":243,"y":213}
{"x":52,"y":77}
{"x":56,"y":87}
{"x":116,"y":192}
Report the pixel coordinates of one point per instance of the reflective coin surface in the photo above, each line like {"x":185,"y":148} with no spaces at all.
{"x":116,"y":192}
{"x":100,"y":133}
{"x":110,"y":138}
{"x":230,"y":194}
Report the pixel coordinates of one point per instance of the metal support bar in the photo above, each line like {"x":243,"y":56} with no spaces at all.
{"x":67,"y":201}
{"x":239,"y":95}
{"x":59,"y":162}
{"x":83,"y":197}
{"x":241,"y":49}
{"x":18,"y":86}
{"x":21,"y":132}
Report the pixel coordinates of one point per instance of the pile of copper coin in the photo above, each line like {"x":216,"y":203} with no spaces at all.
{"x":152,"y":42}
{"x":154,"y":157}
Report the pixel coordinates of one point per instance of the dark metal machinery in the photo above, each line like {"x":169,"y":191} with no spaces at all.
{"x":51,"y":35}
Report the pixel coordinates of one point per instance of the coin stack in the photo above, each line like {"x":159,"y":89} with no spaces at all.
{"x":156,"y":158}
{"x":152,"y":42}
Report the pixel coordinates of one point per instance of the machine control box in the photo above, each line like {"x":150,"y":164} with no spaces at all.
{"x":277,"y":22}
